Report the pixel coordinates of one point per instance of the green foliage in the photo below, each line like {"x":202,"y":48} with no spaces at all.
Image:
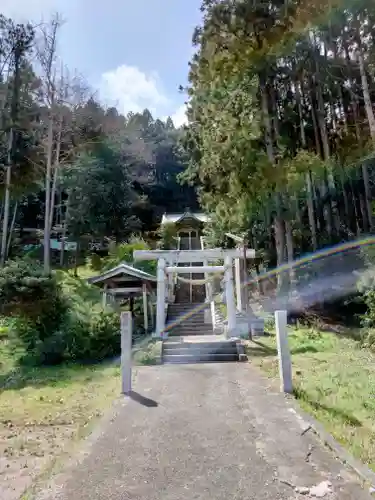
{"x":65,"y":322}
{"x":148,"y":353}
{"x":168,"y":236}
{"x":27,"y":292}
{"x":123,"y":253}
{"x":95,"y":338}
{"x":368,"y":320}
{"x":96,"y":263}
{"x":368,"y":338}
{"x":275,"y":145}
{"x":100,"y":175}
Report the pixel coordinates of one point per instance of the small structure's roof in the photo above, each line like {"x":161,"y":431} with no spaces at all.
{"x":122,"y":269}
{"x":174,"y":218}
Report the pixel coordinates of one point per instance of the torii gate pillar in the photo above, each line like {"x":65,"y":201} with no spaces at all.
{"x":161,"y":296}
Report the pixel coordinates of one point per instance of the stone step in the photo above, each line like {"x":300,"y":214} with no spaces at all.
{"x":187,"y":309}
{"x":187,"y":314}
{"x":184,"y":317}
{"x":199,"y":358}
{"x":199,"y":351}
{"x":185,"y":332}
{"x":182,"y":321}
{"x":187,"y":304}
{"x":190,"y":314}
{"x":188,"y":324}
{"x":188,"y":333}
{"x":221,"y":344}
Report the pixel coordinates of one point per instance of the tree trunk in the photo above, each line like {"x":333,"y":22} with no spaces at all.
{"x":55,"y":173}
{"x":10,"y":157}
{"x":278,"y":220}
{"x":12,"y":228}
{"x":309,"y":187}
{"x":65,"y":227}
{"x":47,"y":228}
{"x":366,"y":95}
{"x":76,"y":254}
{"x":47,"y":59}
{"x":311,"y":212}
{"x":290,"y":252}
{"x":371,"y":122}
{"x":8,"y":177}
{"x":362,"y":204}
{"x":344,"y":193}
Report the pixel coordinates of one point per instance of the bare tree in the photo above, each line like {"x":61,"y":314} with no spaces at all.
{"x":46,"y":52}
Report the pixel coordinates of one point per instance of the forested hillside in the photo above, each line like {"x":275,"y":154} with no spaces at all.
{"x":282,"y":129}
{"x":72,"y":166}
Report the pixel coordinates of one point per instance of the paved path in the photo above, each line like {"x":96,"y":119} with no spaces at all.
{"x":212,"y":431}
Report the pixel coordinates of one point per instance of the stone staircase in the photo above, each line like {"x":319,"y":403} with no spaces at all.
{"x":191,"y":340}
{"x":214,"y":351}
{"x":186,"y":318}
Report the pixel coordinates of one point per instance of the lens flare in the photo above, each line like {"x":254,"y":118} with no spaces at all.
{"x":328,"y":274}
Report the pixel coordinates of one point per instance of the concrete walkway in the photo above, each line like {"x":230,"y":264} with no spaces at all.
{"x":213,"y":431}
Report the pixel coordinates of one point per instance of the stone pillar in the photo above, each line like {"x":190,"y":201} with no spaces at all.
{"x":237,"y":274}
{"x":126,"y":351}
{"x":145,"y":312}
{"x":229,"y":295}
{"x":151,"y":309}
{"x":160,"y":309}
{"x":285,"y":364}
{"x":170,"y":287}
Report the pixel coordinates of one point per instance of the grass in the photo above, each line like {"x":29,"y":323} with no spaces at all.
{"x":334,"y":380}
{"x":147,"y":352}
{"x":44,"y":411}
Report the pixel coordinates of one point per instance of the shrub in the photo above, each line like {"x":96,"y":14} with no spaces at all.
{"x":26,"y":291}
{"x":105,"y":338}
{"x":48,"y":325}
{"x":368,"y":340}
{"x":123,"y":252}
{"x":96,"y":263}
{"x":94,"y":339}
{"x":167,"y":233}
{"x":368,"y":320}
{"x":38,"y":307}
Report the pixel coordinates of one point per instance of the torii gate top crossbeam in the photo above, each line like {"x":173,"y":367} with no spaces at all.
{"x":184,"y":256}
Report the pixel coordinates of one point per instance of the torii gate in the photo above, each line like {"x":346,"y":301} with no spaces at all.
{"x":166,"y":267}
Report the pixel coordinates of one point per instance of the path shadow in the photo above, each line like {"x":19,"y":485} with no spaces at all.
{"x":303,"y":349}
{"x":257,"y":348}
{"x":142,"y":400}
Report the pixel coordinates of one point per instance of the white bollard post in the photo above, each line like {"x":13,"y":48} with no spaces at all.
{"x":126,"y":351}
{"x":285,"y":364}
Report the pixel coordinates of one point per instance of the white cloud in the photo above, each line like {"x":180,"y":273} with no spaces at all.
{"x":179,"y":116}
{"x":130,"y":89}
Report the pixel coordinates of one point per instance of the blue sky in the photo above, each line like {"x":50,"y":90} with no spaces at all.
{"x":135,"y":52}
